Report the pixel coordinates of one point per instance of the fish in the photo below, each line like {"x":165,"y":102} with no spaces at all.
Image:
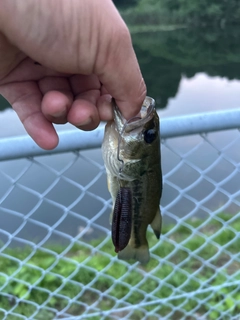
{"x":132,"y":157}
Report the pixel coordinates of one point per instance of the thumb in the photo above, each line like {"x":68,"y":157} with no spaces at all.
{"x":119,"y":72}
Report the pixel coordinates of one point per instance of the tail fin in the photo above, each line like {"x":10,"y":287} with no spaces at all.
{"x":140,"y":254}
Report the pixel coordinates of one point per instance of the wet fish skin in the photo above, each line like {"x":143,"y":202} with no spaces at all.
{"x":141,"y":173}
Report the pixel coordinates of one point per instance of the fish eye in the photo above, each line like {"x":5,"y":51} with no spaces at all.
{"x":150,"y":135}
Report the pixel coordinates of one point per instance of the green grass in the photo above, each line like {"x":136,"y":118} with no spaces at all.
{"x":200,"y":277}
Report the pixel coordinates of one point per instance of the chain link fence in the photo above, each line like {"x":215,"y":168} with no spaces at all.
{"x":57,"y":260}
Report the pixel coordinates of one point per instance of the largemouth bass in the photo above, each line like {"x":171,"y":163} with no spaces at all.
{"x":131,"y":153}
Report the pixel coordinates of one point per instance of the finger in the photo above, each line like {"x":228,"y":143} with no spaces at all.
{"x":55,"y":106}
{"x":28,"y":70}
{"x":57,"y":98}
{"x":104,"y":106}
{"x":25,"y":99}
{"x":10,"y":56}
{"x":84,"y":113}
{"x":126,"y":85}
{"x":83,"y":83}
{"x":103,"y":90}
{"x":119,"y":71}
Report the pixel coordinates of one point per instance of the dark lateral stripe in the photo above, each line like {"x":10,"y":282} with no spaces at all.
{"x":137,"y":219}
{"x":122,"y":219}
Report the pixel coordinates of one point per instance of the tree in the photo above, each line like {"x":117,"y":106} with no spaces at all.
{"x":125,"y":3}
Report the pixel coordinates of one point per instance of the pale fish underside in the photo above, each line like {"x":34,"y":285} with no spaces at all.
{"x":131,"y":153}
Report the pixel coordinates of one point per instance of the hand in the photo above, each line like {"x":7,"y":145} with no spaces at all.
{"x":85,"y":54}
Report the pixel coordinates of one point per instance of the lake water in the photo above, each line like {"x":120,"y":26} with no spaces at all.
{"x":186,"y":72}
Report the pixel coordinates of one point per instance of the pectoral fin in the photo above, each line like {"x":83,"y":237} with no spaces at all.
{"x":109,"y":183}
{"x":157,"y":224}
{"x":113,"y":187}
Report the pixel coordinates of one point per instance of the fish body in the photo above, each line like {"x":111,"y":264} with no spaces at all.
{"x":131,"y":153}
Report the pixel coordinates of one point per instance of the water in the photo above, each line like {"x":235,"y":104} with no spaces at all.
{"x":186,"y":72}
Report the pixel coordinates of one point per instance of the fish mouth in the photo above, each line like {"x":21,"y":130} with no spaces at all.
{"x":146,"y":113}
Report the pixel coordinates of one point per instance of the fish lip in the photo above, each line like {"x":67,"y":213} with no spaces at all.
{"x":135,"y":122}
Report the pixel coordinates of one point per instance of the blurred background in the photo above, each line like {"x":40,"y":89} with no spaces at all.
{"x":57,"y":258}
{"x":189,"y":53}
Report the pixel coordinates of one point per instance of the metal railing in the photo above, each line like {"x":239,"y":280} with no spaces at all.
{"x":56,"y":256}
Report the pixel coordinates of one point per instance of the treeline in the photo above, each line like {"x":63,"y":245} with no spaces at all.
{"x":165,"y":56}
{"x":125,"y":3}
{"x":187,"y":12}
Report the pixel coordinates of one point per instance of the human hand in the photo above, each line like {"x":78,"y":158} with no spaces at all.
{"x":86,"y":57}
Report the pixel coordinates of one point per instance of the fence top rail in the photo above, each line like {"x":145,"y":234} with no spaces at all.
{"x":24,"y":146}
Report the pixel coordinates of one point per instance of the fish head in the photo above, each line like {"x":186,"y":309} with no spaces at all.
{"x":139,"y":136}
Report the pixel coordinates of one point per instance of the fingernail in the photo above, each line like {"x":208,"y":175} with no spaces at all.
{"x":58,"y":114}
{"x":108,"y":98}
{"x":84,"y":123}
